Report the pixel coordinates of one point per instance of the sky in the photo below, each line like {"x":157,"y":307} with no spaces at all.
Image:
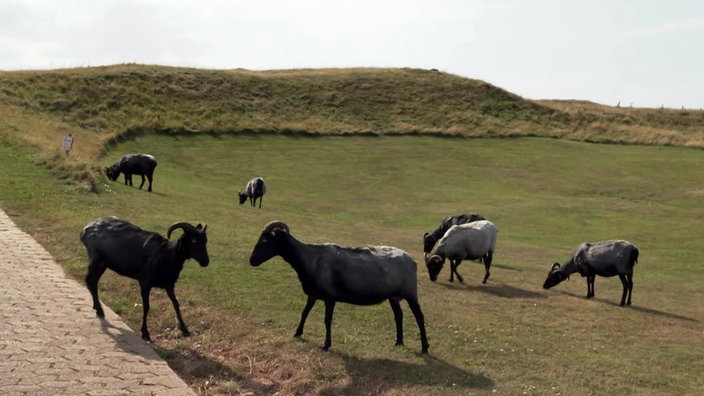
{"x":640,"y":53}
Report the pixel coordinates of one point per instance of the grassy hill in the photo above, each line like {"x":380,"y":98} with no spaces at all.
{"x":101,"y":104}
{"x":389,"y":183}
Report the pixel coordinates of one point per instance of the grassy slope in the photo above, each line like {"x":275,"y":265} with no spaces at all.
{"x":545,"y":195}
{"x":508,"y":335}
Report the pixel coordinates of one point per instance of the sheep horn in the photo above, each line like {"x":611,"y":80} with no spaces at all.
{"x":187,"y":227}
{"x":274,"y":225}
{"x":436,"y":258}
{"x":555,"y":266}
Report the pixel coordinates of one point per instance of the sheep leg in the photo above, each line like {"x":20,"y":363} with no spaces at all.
{"x":260,"y":202}
{"x":590,"y":285}
{"x":329,"y":308}
{"x":96,"y":269}
{"x":182,"y":325}
{"x":149,"y":177}
{"x":487,"y":265}
{"x":627,"y":282}
{"x":145,"y":310}
{"x":304,"y":316}
{"x":415,"y":308}
{"x":128,"y":179}
{"x":453,"y":269}
{"x":398,"y":317}
{"x":142,"y":184}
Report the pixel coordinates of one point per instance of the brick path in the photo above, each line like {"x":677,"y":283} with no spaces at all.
{"x":52,"y":343}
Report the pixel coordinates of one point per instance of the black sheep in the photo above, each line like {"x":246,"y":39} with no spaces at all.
{"x":429,"y":239}
{"x":146,"y":256}
{"x":133,"y":164}
{"x":606,"y":258}
{"x":365,"y":275}
{"x":256,"y":188}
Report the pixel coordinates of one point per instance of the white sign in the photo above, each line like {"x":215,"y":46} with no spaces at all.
{"x":67,"y":142}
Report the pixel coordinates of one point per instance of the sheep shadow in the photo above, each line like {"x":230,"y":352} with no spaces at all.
{"x":202,"y":373}
{"x":498,"y":290}
{"x":385,"y":375}
{"x":616,"y":302}
{"x":127,"y":340}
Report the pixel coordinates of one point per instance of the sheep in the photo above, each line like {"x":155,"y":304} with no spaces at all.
{"x":137,"y":164}
{"x":256,"y":188}
{"x":470,"y":241}
{"x":429,"y":239}
{"x":365,"y":275}
{"x":605,"y":258}
{"x":146,"y":256}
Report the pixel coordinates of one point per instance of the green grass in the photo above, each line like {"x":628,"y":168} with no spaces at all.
{"x":546,"y":196}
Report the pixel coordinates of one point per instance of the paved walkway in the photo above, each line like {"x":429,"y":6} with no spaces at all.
{"x":52,"y":343}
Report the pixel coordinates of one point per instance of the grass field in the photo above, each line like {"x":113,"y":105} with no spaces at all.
{"x":507,"y":337}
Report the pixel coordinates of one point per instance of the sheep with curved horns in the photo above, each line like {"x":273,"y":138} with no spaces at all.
{"x":605,"y":258}
{"x":146,"y":256}
{"x":430,"y":239}
{"x":365,"y":275}
{"x":133,"y":164}
{"x":470,"y":241}
{"x":256,"y":188}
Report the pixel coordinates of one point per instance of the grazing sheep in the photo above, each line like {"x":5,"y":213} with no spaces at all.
{"x":146,"y":256}
{"x":133,"y":164}
{"x":363,"y":276}
{"x":470,"y":241}
{"x":429,"y":239}
{"x":256,"y":188}
{"x":605,"y":258}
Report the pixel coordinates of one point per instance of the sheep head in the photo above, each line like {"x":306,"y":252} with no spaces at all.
{"x":555,"y":276}
{"x":193,"y":241}
{"x":243,"y":197}
{"x":111,"y":172}
{"x":434,"y":264}
{"x":269,"y":243}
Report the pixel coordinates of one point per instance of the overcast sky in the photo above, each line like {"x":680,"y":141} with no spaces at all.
{"x":644,"y":53}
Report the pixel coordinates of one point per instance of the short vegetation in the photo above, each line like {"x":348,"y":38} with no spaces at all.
{"x":376,"y":157}
{"x":102,"y":105}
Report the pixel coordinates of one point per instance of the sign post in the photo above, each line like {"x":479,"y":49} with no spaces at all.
{"x":67,"y":143}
